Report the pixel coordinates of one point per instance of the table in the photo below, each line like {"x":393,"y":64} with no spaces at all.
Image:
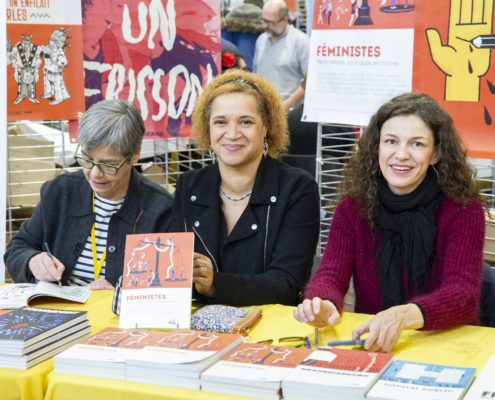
{"x":463,"y":346}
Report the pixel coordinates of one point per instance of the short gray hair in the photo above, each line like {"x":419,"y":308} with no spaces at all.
{"x":115,"y":124}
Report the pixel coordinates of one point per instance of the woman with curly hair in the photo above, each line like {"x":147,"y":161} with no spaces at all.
{"x":255,"y":219}
{"x":409,"y":228}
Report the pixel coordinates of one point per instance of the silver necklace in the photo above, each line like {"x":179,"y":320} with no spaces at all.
{"x":230,"y":198}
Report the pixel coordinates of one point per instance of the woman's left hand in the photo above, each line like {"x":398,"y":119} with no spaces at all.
{"x":100,"y":284}
{"x":386,"y":326}
{"x":203,"y":275}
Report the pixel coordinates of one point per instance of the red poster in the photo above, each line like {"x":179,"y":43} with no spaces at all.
{"x":159,"y":54}
{"x":453,"y":63}
{"x":44,"y":60}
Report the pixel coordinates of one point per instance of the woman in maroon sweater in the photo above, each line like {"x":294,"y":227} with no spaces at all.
{"x":409,"y":228}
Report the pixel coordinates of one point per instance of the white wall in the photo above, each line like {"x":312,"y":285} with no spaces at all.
{"x":3,"y":140}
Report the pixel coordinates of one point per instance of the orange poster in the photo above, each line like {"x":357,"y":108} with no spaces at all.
{"x":44,"y":60}
{"x":157,"y":281}
{"x":454,"y":63}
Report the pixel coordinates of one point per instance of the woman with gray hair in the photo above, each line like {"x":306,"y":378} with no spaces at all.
{"x":84,"y":216}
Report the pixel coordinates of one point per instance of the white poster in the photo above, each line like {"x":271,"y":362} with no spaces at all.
{"x":361,"y":56}
{"x":3,"y":143}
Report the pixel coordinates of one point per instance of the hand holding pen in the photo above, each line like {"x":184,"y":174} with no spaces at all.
{"x":46,"y":268}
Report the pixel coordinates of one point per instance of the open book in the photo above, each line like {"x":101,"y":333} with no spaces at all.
{"x":21,"y":294}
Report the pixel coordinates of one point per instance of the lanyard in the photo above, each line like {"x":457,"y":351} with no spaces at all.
{"x":97,"y":265}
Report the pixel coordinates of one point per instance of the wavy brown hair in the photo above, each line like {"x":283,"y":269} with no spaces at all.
{"x":456,"y":176}
{"x":270,"y":107}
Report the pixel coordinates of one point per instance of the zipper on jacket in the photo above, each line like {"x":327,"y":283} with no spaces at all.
{"x":266,"y":237}
{"x":195,"y":231}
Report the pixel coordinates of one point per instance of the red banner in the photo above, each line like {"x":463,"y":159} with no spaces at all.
{"x":160,"y":54}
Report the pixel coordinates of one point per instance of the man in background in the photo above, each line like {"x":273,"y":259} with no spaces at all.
{"x":282,"y":53}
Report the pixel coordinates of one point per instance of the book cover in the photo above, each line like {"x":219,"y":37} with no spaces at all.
{"x":484,"y":385}
{"x":412,"y":380}
{"x":254,"y":362}
{"x":341,"y":368}
{"x":27,"y":324}
{"x":157,"y":282}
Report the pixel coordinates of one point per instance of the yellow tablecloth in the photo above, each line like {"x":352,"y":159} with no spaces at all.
{"x":463,"y":346}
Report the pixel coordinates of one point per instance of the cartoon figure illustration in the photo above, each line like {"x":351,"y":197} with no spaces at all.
{"x":55,"y":62}
{"x":329,"y":11}
{"x":320,"y":16}
{"x":149,"y":281}
{"x":146,"y":266}
{"x":133,"y":267}
{"x":341,"y":9}
{"x":353,"y":11}
{"x":129,"y":284}
{"x":26,"y":61}
{"x":462,"y":62}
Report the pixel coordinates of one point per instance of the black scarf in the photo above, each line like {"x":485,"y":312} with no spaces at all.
{"x":409,"y":238}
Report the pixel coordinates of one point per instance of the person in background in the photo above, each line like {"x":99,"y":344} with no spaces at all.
{"x":92,"y":208}
{"x":255,"y":219}
{"x":232,"y":60}
{"x":282,"y":53}
{"x":409,"y":228}
{"x":242,"y":26}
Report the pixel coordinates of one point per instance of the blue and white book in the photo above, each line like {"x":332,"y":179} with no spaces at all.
{"x":407,"y":380}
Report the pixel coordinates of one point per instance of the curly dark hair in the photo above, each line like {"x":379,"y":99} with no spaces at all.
{"x":456,"y":176}
{"x":270,"y":107}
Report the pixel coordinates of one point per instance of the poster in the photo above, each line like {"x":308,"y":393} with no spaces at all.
{"x":44,"y":60}
{"x":159,"y":54}
{"x":454,"y":63}
{"x":3,"y":150}
{"x":157,"y":281}
{"x":361,"y":56}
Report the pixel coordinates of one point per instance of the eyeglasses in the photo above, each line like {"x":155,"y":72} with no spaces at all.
{"x":106,"y":168}
{"x":290,"y":339}
{"x":271,"y":23}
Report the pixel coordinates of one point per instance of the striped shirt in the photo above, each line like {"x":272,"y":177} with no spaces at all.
{"x":84,"y":271}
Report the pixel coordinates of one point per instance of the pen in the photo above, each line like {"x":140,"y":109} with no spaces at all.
{"x":317,"y":342}
{"x":50,"y":254}
{"x":484,"y":42}
{"x":347,"y":342}
{"x":307,"y":343}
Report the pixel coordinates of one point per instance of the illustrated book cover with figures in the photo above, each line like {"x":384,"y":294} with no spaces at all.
{"x":158,"y":54}
{"x":26,"y":326}
{"x":254,"y":370}
{"x":45,"y":74}
{"x":454,"y":62}
{"x":179,"y":357}
{"x":157,"y":281}
{"x":361,"y":55}
{"x":21,"y":294}
{"x":331,"y":373}
{"x":103,"y":354}
{"x":409,"y":380}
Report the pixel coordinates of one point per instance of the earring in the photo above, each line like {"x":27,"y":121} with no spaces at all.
{"x":211,"y":152}
{"x":265,"y":147}
{"x":434,"y":169}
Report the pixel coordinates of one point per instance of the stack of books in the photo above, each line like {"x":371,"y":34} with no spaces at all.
{"x":254,"y":370}
{"x":331,"y":373}
{"x":179,"y":357}
{"x":103,"y":354}
{"x":30,"y":335}
{"x":406,"y":380}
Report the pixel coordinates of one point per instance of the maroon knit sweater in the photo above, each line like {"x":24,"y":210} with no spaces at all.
{"x":452,"y":292}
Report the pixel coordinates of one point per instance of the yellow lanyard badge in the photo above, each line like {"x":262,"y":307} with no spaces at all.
{"x":97,"y":265}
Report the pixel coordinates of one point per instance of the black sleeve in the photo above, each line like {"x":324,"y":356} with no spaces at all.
{"x":291,"y":260}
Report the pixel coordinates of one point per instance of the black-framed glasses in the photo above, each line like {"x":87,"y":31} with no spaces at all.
{"x":291,"y":339}
{"x":271,"y":23}
{"x":106,"y":168}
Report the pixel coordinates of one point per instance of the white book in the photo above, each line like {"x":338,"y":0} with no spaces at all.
{"x":244,"y":391}
{"x":336,"y":374}
{"x":484,"y":385}
{"x":406,"y":380}
{"x":165,"y":380}
{"x":255,"y":366}
{"x":21,"y":294}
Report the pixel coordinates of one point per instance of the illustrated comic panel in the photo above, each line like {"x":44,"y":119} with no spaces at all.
{"x":363,"y":14}
{"x":158,"y":260}
{"x":159,"y":54}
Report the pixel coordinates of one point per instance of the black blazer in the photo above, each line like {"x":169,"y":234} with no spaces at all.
{"x":269,"y":254}
{"x":64,"y":217}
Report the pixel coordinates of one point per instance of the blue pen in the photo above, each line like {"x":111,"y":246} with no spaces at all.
{"x":347,"y":342}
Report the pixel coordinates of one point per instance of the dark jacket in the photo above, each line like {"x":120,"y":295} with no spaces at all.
{"x":268,"y":255}
{"x":64,"y":217}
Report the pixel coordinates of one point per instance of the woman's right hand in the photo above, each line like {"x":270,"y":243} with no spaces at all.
{"x":44,"y":269}
{"x":317,"y":313}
